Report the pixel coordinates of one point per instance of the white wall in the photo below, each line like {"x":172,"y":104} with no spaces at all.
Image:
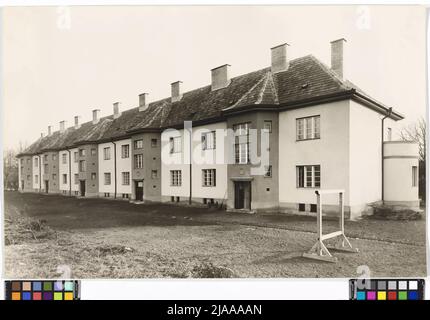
{"x":123,"y":165}
{"x":331,"y":151}
{"x":64,"y":169}
{"x":37,"y":172}
{"x":174,"y":161}
{"x":106,"y":166}
{"x":75,"y":169}
{"x":365,"y":155}
{"x":400,"y":157}
{"x":210,"y":159}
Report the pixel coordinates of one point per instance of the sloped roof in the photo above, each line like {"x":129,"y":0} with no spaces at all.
{"x":306,"y":79}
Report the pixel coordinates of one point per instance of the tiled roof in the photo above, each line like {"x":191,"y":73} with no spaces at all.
{"x":305,"y":79}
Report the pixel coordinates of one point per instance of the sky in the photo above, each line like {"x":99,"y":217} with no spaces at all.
{"x":59,"y":62}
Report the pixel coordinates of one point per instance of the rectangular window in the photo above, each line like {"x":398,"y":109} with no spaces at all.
{"x":82,"y":166}
{"x":64,"y":178}
{"x":36,"y":179}
{"x":308,"y":128}
{"x":209,"y":177}
{"x":28,"y":161}
{"x":209,"y":140}
{"x":107,"y":178}
{"x":268,"y":172}
{"x":82,"y":152}
{"x":54,"y":157}
{"x":175,"y":178}
{"x":138,"y":144}
{"x":268,"y":126}
{"x":106,"y":153}
{"x":76,"y":178}
{"x":36,"y":162}
{"x":93,"y":151}
{"x":241,"y":143}
{"x":126,"y":178}
{"x":389,"y":134}
{"x":45,"y":158}
{"x":175,"y":144}
{"x":54,"y":176}
{"x":154,"y":143}
{"x":93,"y":176}
{"x":309,"y":176}
{"x":138,"y":161}
{"x":154,"y":174}
{"x":302,"y":207}
{"x":75,"y":156}
{"x":414,"y":176}
{"x":45,"y":168}
{"x":64,"y":158}
{"x":125,"y":151}
{"x":29,"y":178}
{"x":313,"y":208}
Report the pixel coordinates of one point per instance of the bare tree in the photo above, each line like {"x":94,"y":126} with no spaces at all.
{"x":10,"y":169}
{"x":418,"y":132}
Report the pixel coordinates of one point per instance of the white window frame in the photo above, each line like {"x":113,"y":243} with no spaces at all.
{"x":76,"y":177}
{"x":209,"y":177}
{"x":106,"y":153}
{"x":175,"y":144}
{"x":241,"y":143}
{"x":209,"y":140}
{"x":125,"y":178}
{"x":138,"y":144}
{"x":308,"y":128}
{"x":175,"y":178}
{"x":64,"y":178}
{"x":308,"y":176}
{"x":64,"y":158}
{"x":107,"y":178}
{"x":138,"y":161}
{"x":125,"y":151}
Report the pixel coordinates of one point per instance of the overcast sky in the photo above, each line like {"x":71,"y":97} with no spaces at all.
{"x":59,"y":62}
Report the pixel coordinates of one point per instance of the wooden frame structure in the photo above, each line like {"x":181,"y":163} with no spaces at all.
{"x":319,"y":250}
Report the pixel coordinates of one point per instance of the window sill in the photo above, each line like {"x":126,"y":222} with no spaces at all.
{"x":307,"y":188}
{"x":310,"y":139}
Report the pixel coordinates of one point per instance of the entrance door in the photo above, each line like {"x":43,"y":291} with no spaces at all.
{"x":46,"y":186}
{"x":242,"y":195}
{"x":139,"y":190}
{"x":82,"y":185}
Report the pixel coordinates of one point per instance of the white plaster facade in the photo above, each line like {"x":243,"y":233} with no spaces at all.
{"x":38,"y":171}
{"x":108,"y":166}
{"x":72,"y":184}
{"x":201,"y":159}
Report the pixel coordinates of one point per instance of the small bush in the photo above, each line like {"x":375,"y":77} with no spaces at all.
{"x":209,"y":270}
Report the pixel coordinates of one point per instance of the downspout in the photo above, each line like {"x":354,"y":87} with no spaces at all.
{"x":390,"y":110}
{"x":114,"y":165}
{"x":70,"y":172}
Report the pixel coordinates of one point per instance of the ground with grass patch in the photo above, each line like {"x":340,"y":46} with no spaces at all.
{"x":100,"y":238}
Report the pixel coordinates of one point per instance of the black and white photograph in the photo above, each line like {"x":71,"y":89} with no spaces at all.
{"x":196,"y":142}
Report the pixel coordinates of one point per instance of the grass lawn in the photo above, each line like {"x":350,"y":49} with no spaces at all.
{"x":98,"y":238}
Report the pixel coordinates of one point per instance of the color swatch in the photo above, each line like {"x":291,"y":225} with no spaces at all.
{"x":48,"y":290}
{"x":386,"y":289}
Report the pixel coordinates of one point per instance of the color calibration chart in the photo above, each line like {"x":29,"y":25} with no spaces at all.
{"x":42,"y":290}
{"x":386,"y":289}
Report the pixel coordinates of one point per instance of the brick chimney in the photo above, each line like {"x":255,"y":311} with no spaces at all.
{"x":220,"y":77}
{"x":279,"y":58}
{"x":337,"y":56}
{"x":62,"y":126}
{"x":142,"y":101}
{"x":77,"y":124}
{"x":49,"y":130}
{"x":96,"y":113}
{"x":116,"y":112}
{"x":176,"y":91}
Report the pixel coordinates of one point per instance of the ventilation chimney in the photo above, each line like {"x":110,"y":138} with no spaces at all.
{"x":337,"y":55}
{"x":116,"y":112}
{"x":62,"y":126}
{"x":220,"y":77}
{"x":176,"y":91}
{"x":77,"y":124}
{"x":96,"y":113}
{"x":49,"y":130}
{"x":279,"y":58}
{"x":142,"y":101}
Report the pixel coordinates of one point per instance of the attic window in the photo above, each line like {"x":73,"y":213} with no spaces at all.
{"x":305,"y":85}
